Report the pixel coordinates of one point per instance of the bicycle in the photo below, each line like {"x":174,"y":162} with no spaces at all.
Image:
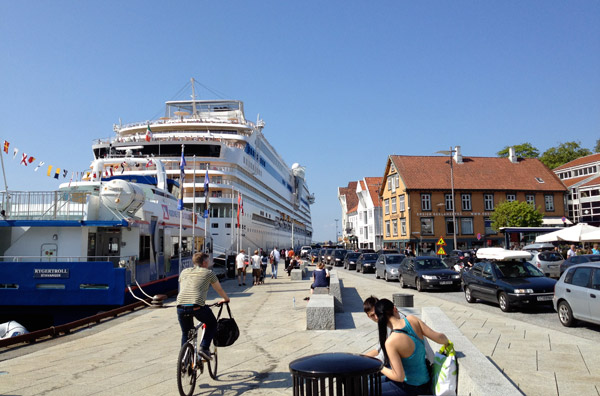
{"x":189,"y":362}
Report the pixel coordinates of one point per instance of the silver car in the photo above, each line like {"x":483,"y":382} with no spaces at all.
{"x":577,"y":294}
{"x":548,"y":262}
{"x":387,"y":266}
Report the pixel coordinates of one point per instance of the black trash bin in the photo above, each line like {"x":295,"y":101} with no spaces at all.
{"x":403,"y":300}
{"x":231,"y":266}
{"x":336,"y":374}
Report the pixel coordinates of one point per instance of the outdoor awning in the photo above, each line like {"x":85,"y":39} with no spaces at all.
{"x":555,"y":221}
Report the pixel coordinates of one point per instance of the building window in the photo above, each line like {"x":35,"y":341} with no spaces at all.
{"x":530,"y":198}
{"x":397,"y":180}
{"x":394,"y":227}
{"x":466,"y":201}
{"x":387,"y":228}
{"x":426,"y":225}
{"x":511,"y":197}
{"x":549,"y":200}
{"x":448,"y":200}
{"x":449,"y":226}
{"x":214,"y":225}
{"x":394,"y":205}
{"x":365,"y":217}
{"x":370,"y":213}
{"x":389,"y":183}
{"x":366,"y":232}
{"x":426,"y":202}
{"x":488,"y":226}
{"x":488,"y":201}
{"x":466,"y":225}
{"x":401,"y":203}
{"x":402,"y":226}
{"x":386,"y":204}
{"x":393,"y":179}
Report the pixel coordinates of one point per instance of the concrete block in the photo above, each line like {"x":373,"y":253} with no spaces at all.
{"x":296,"y":275}
{"x":335,"y":289}
{"x":320,"y":313}
{"x":321,"y":290}
{"x":476,"y":374}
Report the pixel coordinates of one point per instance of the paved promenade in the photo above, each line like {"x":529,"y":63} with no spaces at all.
{"x":136,"y":354}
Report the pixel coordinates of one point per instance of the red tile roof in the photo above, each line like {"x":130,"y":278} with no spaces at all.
{"x":588,"y":159}
{"x":594,"y":182}
{"x":570,"y":182}
{"x":351,"y":197}
{"x":374,"y":183}
{"x":476,"y":173}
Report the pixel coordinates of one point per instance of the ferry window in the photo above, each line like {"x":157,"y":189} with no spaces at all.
{"x":144,"y":247}
{"x":214,"y":225}
{"x":227,"y":225}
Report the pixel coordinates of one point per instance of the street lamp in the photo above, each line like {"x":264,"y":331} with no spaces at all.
{"x":336,"y":230}
{"x":451,"y":153}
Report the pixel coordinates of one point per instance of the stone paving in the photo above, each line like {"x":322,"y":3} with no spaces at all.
{"x":136,"y":354}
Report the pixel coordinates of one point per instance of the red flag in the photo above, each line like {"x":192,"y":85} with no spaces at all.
{"x":238,"y":210}
{"x":148,"y":134}
{"x":6,"y":144}
{"x":31,"y":159}
{"x":24,"y":159}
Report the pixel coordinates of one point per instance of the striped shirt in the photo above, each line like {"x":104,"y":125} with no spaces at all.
{"x":193,"y":285}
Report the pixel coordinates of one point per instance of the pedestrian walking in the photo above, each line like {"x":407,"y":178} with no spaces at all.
{"x":275,"y":257}
{"x":256,"y":268}
{"x":240,"y":263}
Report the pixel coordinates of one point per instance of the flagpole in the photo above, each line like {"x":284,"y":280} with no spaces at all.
{"x":206,"y":210}
{"x":182,"y":176}
{"x":194,"y":211}
{"x":3,"y":172}
{"x":232,"y":223}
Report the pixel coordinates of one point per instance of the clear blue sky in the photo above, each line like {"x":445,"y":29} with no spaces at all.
{"x":340,"y":84}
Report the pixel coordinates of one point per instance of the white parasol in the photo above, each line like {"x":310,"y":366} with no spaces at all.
{"x":576,"y":233}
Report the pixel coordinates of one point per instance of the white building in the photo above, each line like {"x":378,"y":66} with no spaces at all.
{"x":349,"y":203}
{"x":369,"y":221}
{"x":582,"y":178}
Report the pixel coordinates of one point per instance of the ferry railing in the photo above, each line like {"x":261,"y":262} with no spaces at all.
{"x":43,"y":205}
{"x":117,"y":260}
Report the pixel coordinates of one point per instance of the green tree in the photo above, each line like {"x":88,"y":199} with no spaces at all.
{"x":515,"y":214}
{"x":597,"y":148}
{"x":565,"y":152}
{"x":523,"y":150}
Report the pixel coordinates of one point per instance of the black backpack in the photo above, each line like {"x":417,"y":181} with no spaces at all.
{"x":227,"y":330}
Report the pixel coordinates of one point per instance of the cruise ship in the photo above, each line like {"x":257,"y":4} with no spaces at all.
{"x":255,"y":200}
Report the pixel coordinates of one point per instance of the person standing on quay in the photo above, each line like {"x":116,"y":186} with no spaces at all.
{"x":240,"y":263}
{"x":275,"y":257}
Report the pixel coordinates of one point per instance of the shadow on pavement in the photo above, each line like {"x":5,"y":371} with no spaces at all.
{"x":352,"y":303}
{"x":238,"y":382}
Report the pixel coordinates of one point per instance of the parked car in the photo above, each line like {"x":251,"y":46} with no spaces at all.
{"x":453,"y":257}
{"x":366,"y":262}
{"x":388,"y":266}
{"x":548,"y":262}
{"x":584,"y":258}
{"x":304,"y":250}
{"x":577,"y":294}
{"x":328,"y":256}
{"x":504,"y":277}
{"x":350,"y":260}
{"x":387,"y":251}
{"x":314,"y":255}
{"x":425,"y":272}
{"x":366,"y":250}
{"x":322,"y":255}
{"x":337,"y":259}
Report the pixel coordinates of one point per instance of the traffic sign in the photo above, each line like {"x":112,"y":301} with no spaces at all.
{"x":441,"y":242}
{"x":441,"y":251}
{"x":478,"y":236}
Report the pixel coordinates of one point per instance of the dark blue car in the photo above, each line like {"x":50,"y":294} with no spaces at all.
{"x":425,"y":272}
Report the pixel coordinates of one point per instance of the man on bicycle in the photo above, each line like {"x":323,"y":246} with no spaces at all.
{"x":193,"y":288}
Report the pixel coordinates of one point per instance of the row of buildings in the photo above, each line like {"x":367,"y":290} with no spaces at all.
{"x":421,"y":199}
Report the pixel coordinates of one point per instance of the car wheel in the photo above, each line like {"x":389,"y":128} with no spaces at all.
{"x":402,"y":284}
{"x":470,"y":299}
{"x":565,"y":314}
{"x":503,"y":302}
{"x":419,"y":286}
{"x":385,"y":276}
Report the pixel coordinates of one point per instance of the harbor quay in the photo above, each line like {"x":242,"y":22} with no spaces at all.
{"x":136,"y":354}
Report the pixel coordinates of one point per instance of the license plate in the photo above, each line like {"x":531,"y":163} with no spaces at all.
{"x":445,"y":282}
{"x":544,"y":298}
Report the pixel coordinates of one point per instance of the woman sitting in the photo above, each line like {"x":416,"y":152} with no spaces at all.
{"x":404,"y":351}
{"x":320,"y":278}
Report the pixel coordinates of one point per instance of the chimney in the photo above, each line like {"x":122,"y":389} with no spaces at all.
{"x":457,"y":155}
{"x":512,"y":155}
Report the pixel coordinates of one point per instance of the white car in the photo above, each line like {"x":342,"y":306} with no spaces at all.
{"x":577,"y":294}
{"x":304,"y":250}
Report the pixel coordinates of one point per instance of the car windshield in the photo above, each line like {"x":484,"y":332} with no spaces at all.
{"x":352,"y":256}
{"x":550,"y":256}
{"x":394,"y":259}
{"x":340,"y":253}
{"x":430,"y":263}
{"x":369,"y":256}
{"x":515,"y":269}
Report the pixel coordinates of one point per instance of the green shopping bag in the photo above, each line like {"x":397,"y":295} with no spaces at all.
{"x":445,"y":371}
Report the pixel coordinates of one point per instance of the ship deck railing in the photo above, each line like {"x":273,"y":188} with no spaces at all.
{"x":43,"y":205}
{"x":168,"y":139}
{"x":187,"y":120}
{"x":68,"y":259}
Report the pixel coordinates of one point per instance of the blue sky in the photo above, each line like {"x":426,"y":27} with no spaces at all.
{"x":340,"y":84}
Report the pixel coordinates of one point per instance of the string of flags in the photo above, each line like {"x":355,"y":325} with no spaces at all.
{"x":56,"y":171}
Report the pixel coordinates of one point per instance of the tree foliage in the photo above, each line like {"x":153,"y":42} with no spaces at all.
{"x":523,"y":150}
{"x":565,"y":152}
{"x":597,"y":148}
{"x":515,"y":214}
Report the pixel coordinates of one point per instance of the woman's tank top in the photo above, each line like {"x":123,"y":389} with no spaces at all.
{"x":415,"y":367}
{"x":320,"y":278}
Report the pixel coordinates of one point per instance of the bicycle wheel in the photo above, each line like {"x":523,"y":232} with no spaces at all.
{"x":186,"y":370}
{"x":213,"y":364}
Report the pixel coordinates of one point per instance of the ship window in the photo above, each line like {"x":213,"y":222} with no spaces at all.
{"x":227,"y":225}
{"x":9,"y":286}
{"x":214,"y":225}
{"x":50,"y":286}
